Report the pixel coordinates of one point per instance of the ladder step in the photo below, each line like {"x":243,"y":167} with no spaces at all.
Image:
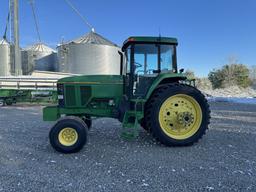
{"x":130,"y":125}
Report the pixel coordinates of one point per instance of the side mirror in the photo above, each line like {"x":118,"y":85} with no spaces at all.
{"x":181,"y":70}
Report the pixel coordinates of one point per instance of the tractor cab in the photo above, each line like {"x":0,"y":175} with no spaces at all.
{"x":145,"y":59}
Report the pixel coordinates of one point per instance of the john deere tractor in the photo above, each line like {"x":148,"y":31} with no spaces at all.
{"x":149,"y":92}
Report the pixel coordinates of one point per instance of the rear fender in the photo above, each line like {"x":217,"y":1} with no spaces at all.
{"x":165,"y":79}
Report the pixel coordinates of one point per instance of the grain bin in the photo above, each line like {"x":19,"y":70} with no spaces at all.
{"x":90,"y":55}
{"x":38,"y":57}
{"x":5,"y":58}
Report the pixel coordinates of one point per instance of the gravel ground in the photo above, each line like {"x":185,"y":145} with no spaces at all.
{"x":224,"y":160}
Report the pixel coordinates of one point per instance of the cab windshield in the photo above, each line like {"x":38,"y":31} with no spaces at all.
{"x":153,"y":58}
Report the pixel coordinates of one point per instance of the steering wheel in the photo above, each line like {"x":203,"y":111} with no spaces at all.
{"x":138,"y":65}
{"x":150,"y":71}
{"x":140,"y":72}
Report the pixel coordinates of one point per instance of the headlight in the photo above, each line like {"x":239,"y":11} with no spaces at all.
{"x":60,"y":97}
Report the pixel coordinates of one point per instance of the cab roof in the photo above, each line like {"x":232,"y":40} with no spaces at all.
{"x":147,"y":39}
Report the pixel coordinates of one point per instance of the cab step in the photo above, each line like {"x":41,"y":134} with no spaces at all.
{"x":130,"y":125}
{"x":130,"y":122}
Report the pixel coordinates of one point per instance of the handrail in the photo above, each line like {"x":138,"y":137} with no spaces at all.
{"x":28,"y":84}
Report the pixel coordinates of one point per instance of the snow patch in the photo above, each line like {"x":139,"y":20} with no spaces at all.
{"x":242,"y":100}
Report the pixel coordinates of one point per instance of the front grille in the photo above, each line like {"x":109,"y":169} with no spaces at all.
{"x":60,"y":91}
{"x":70,"y":95}
{"x":85,"y":93}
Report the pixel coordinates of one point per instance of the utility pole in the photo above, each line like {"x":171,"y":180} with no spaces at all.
{"x":15,"y":37}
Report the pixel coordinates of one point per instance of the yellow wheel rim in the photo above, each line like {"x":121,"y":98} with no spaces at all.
{"x":180,"y":116}
{"x":68,"y":136}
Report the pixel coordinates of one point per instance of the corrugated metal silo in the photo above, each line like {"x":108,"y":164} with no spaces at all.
{"x":38,"y":57}
{"x":5,"y":58}
{"x":90,"y":55}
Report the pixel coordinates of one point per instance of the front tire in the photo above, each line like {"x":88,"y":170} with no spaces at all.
{"x":68,"y":135}
{"x":9,"y":101}
{"x":1,"y":103}
{"x":177,"y":115}
{"x":88,"y":121}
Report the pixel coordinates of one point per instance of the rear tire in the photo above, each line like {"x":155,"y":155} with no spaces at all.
{"x":144,"y":125}
{"x":68,"y":135}
{"x":177,"y":115}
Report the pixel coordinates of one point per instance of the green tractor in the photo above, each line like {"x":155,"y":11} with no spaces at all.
{"x":150,"y":92}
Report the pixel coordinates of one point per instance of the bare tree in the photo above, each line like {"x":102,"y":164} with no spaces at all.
{"x":233,"y":73}
{"x":253,"y":73}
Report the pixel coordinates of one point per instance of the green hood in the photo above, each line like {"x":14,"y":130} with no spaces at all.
{"x":93,"y":79}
